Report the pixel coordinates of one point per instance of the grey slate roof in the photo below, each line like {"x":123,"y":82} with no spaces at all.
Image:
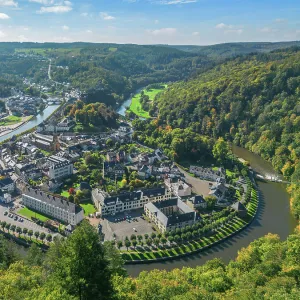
{"x":52,"y":200}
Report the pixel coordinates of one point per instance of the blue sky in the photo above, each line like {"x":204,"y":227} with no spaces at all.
{"x":199,"y":22}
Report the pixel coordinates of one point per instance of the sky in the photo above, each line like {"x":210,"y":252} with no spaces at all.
{"x":180,"y":22}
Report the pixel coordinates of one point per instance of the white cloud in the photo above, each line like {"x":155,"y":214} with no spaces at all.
{"x":8,"y":3}
{"x":89,"y":31}
{"x":195,"y":33}
{"x":65,"y":28}
{"x":4,"y":16}
{"x":2,"y":34}
{"x":85,"y":14}
{"x":106,"y":17}
{"x":279,"y":20}
{"x":55,"y":9}
{"x":22,"y":38}
{"x":44,"y":2}
{"x":224,"y":26}
{"x":156,"y":21}
{"x":163,"y":31}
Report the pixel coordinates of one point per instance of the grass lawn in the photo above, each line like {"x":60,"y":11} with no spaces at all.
{"x":88,"y":208}
{"x":10,"y":120}
{"x":26,"y":212}
{"x":135,"y":105}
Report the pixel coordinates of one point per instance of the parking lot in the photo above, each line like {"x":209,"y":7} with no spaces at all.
{"x":125,"y":224}
{"x":25,"y":224}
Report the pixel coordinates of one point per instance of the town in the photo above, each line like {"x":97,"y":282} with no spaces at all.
{"x":52,"y":178}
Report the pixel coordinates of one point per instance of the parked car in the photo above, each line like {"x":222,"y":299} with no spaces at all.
{"x":10,"y":215}
{"x":6,"y":213}
{"x":16,"y":218}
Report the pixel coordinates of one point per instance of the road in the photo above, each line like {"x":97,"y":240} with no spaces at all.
{"x":49,"y":70}
{"x":25,"y":224}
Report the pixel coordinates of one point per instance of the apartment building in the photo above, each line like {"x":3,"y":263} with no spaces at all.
{"x":112,"y":204}
{"x":58,"y":167}
{"x":54,"y":206}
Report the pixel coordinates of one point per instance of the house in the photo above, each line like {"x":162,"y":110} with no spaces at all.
{"x":57,"y":167}
{"x":113,"y":170}
{"x":218,"y":190}
{"x":54,"y":206}
{"x":144,"y":172}
{"x":124,"y":127}
{"x":207,"y":173}
{"x":111,"y":157}
{"x":46,"y":142}
{"x":111,"y":204}
{"x":5,"y":197}
{"x":240,"y":209}
{"x":7,"y":184}
{"x":84,"y":186}
{"x":196,"y":202}
{"x":170,"y":214}
{"x":178,"y":187}
{"x":121,"y":156}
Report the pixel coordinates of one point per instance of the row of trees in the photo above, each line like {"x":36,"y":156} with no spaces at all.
{"x":11,"y":228}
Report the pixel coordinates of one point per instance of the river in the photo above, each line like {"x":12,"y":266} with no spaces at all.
{"x":273,"y":217}
{"x":122,"y":109}
{"x":32,"y":123}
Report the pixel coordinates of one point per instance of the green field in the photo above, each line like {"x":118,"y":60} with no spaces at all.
{"x":88,"y":208}
{"x":28,"y":213}
{"x":135,"y":105}
{"x":10,"y":120}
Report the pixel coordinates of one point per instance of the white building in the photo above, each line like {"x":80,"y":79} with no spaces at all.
{"x":58,"y":167}
{"x":112,"y":204}
{"x":207,"y":173}
{"x":53,"y":206}
{"x":5,"y":198}
{"x":7,"y":184}
{"x":179,"y":188}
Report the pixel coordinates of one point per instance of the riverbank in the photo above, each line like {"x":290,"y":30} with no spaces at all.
{"x":6,"y":129}
{"x":223,"y":233}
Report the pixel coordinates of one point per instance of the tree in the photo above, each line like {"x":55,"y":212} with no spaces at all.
{"x":3,"y":225}
{"x":25,"y":231}
{"x":113,"y":257}
{"x":156,"y":242}
{"x":127,"y":244}
{"x":133,"y":237}
{"x":49,"y":238}
{"x":42,"y":236}
{"x":119,"y":244}
{"x":30,"y":233}
{"x":149,"y":242}
{"x":37,"y":234}
{"x":153,"y":235}
{"x":71,"y":198}
{"x":35,"y":256}
{"x":134,"y":243}
{"x":164,"y":241}
{"x":78,"y":265}
{"x":220,"y":150}
{"x":19,"y":230}
{"x":13,"y":228}
{"x":211,"y":201}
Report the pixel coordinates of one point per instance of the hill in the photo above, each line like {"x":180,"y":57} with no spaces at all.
{"x":252,"y":101}
{"x":234,"y":49}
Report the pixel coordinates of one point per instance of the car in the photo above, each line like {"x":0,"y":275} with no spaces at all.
{"x":10,"y":215}
{"x":128,"y":221}
{"x":21,"y":220}
{"x":134,"y":230}
{"x":5,"y":213}
{"x":16,"y":218}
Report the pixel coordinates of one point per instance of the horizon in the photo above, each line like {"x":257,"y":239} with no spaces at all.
{"x":148,"y":22}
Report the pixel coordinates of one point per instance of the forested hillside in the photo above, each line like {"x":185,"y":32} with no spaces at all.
{"x":234,"y":49}
{"x":252,"y":101}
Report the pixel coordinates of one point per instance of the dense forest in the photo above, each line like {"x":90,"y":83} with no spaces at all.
{"x":81,"y":267}
{"x":251,"y":101}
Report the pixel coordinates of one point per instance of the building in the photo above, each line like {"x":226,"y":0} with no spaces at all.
{"x":111,"y":157}
{"x":170,"y":214}
{"x":144,"y":172}
{"x":5,"y":197}
{"x":112,"y":204}
{"x":46,"y":142}
{"x":58,"y":167}
{"x":63,"y":126}
{"x":53,"y":206}
{"x":178,"y":187}
{"x":7,"y":184}
{"x":196,"y":202}
{"x":207,"y":173}
{"x":124,"y":127}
